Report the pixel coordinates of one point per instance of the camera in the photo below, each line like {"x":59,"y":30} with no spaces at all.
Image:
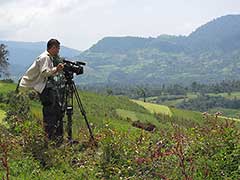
{"x":71,"y":67}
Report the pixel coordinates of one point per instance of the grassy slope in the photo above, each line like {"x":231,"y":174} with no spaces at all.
{"x":186,"y":117}
{"x":186,"y":114}
{"x":100,"y":109}
{"x":119,"y":112}
{"x":143,"y":117}
{"x":155,"y":108}
{"x":6,"y":87}
{"x":2,"y":115}
{"x":177,"y":113}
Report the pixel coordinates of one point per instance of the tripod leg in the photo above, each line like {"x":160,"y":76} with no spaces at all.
{"x":68,"y":108}
{"x":69,"y":123}
{"x":82,"y":110}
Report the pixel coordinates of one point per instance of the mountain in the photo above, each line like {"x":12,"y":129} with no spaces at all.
{"x":222,"y":33}
{"x":22,"y":54}
{"x":210,"y":53}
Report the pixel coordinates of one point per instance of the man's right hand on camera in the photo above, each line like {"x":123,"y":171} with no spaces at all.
{"x":60,"y":67}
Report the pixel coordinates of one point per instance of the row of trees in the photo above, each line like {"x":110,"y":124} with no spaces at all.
{"x":150,"y":90}
{"x":205,"y":102}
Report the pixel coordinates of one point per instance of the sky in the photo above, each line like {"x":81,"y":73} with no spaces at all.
{"x":81,"y":23}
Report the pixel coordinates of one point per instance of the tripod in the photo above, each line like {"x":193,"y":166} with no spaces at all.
{"x":70,"y":90}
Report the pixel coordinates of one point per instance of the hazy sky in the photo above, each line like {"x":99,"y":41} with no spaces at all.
{"x":81,"y":23}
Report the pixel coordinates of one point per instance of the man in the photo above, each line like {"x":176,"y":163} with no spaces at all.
{"x":43,"y":76}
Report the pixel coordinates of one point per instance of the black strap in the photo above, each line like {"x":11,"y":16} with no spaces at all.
{"x":17,"y":88}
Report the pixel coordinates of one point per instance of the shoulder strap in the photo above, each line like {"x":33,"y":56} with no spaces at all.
{"x":17,"y":88}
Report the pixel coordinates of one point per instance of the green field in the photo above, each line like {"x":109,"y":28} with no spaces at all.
{"x":7,"y":87}
{"x":127,"y":114}
{"x":172,"y":112}
{"x":226,"y":95}
{"x":192,"y":116}
{"x":187,"y":117}
{"x":181,"y":115}
{"x":154,"y":108}
{"x":177,"y":101}
{"x":142,"y":117}
{"x":172,"y":103}
{"x":186,"y":114}
{"x":231,"y":113}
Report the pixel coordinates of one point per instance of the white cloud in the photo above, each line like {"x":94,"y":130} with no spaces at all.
{"x":80,"y":23}
{"x":33,"y":20}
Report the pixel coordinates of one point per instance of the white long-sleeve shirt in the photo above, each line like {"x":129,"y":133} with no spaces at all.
{"x":37,"y":75}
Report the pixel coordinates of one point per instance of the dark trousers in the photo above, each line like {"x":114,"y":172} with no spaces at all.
{"x":52,"y":115}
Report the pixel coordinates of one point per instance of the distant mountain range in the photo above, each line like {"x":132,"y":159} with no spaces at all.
{"x":210,"y":53}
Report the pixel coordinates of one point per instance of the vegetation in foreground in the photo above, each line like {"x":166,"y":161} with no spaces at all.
{"x":210,"y":150}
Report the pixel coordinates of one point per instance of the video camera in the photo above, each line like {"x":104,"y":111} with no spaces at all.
{"x":71,"y":67}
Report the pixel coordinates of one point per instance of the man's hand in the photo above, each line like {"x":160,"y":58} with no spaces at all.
{"x":60,"y":67}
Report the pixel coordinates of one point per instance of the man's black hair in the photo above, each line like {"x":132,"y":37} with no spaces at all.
{"x":52,"y":42}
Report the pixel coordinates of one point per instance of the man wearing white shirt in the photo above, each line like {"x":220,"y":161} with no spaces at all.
{"x":40,"y":77}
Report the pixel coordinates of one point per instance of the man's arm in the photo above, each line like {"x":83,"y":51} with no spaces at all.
{"x":47,"y":69}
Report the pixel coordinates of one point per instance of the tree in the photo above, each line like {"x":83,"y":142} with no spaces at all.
{"x":141,"y":92}
{"x":194,"y":87}
{"x":3,"y":60}
{"x":109,"y":91}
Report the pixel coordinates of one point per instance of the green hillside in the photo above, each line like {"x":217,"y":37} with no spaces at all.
{"x":122,"y":151}
{"x":117,"y":111}
{"x":100,"y":109}
{"x":114,"y":109}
